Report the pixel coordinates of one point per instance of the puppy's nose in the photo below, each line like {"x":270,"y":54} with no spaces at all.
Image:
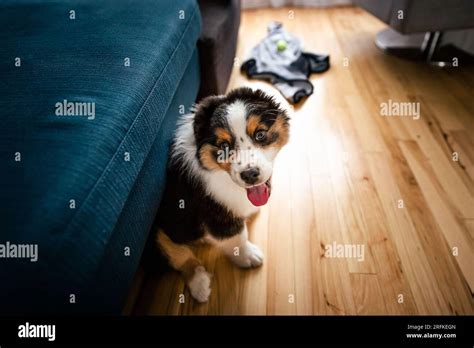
{"x":250,"y":176}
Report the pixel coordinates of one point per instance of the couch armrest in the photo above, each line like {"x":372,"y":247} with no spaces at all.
{"x":217,"y":44}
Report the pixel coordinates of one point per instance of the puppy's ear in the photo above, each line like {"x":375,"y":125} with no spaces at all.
{"x":204,"y":111}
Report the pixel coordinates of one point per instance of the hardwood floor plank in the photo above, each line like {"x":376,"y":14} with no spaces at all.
{"x":337,"y":290}
{"x":442,"y":164}
{"x":469,"y":223}
{"x":379,"y":243}
{"x":254,"y":283}
{"x":368,"y":297}
{"x":463,"y":144}
{"x":455,"y":235}
{"x":281,"y":274}
{"x":448,"y":276}
{"x":302,"y":226}
{"x":427,"y":296}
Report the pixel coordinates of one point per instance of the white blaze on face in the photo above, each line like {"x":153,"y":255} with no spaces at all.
{"x":247,"y":155}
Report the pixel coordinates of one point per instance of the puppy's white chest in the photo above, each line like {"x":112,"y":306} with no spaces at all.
{"x":221,"y":187}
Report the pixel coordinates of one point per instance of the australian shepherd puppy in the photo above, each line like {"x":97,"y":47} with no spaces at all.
{"x":219,"y":174}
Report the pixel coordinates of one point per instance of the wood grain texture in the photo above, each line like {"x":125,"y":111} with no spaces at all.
{"x":341,"y":179}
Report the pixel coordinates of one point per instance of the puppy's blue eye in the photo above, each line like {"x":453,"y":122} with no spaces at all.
{"x":260,"y":135}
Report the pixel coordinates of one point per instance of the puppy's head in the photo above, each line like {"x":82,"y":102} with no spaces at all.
{"x":241,"y":133}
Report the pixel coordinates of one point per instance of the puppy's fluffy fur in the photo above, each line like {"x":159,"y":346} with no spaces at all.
{"x":219,"y":173}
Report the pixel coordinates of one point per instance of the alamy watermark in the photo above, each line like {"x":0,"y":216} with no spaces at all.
{"x":350,"y":251}
{"x":67,"y":108}
{"x":28,"y":330}
{"x":233,"y":156}
{"x":19,"y":251}
{"x":402,"y":109}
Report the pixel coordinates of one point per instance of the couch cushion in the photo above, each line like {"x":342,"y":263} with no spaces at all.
{"x":76,"y":172}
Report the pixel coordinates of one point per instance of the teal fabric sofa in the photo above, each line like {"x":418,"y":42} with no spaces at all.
{"x":90,"y":92}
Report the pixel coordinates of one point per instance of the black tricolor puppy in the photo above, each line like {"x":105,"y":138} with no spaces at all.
{"x":219,"y":174}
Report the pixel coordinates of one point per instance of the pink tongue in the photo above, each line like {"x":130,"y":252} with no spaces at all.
{"x":258,"y":195}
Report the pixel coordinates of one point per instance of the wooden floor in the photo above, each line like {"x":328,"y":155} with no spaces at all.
{"x":341,"y":179}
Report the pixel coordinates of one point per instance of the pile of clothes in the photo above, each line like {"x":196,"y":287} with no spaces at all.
{"x":279,"y":59}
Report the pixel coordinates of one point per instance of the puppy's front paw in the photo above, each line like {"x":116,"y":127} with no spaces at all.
{"x":248,"y":256}
{"x":200,"y":284}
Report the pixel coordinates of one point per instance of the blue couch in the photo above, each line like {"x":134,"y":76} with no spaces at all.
{"x":90,"y":92}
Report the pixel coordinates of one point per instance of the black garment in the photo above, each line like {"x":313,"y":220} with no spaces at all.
{"x":279,"y":59}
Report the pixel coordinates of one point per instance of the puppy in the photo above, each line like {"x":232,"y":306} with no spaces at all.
{"x":219,"y":174}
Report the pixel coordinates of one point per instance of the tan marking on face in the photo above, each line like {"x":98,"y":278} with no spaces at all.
{"x":279,"y":127}
{"x":282,"y":128}
{"x":209,"y":161}
{"x":253,"y":121}
{"x":223,"y":135}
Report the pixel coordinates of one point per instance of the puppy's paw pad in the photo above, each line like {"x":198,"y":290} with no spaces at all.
{"x":250,"y":256}
{"x":200,"y":284}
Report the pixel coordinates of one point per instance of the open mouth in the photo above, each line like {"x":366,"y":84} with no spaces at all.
{"x":258,"y":195}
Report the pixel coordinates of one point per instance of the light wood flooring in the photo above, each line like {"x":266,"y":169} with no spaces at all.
{"x":343,"y":178}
